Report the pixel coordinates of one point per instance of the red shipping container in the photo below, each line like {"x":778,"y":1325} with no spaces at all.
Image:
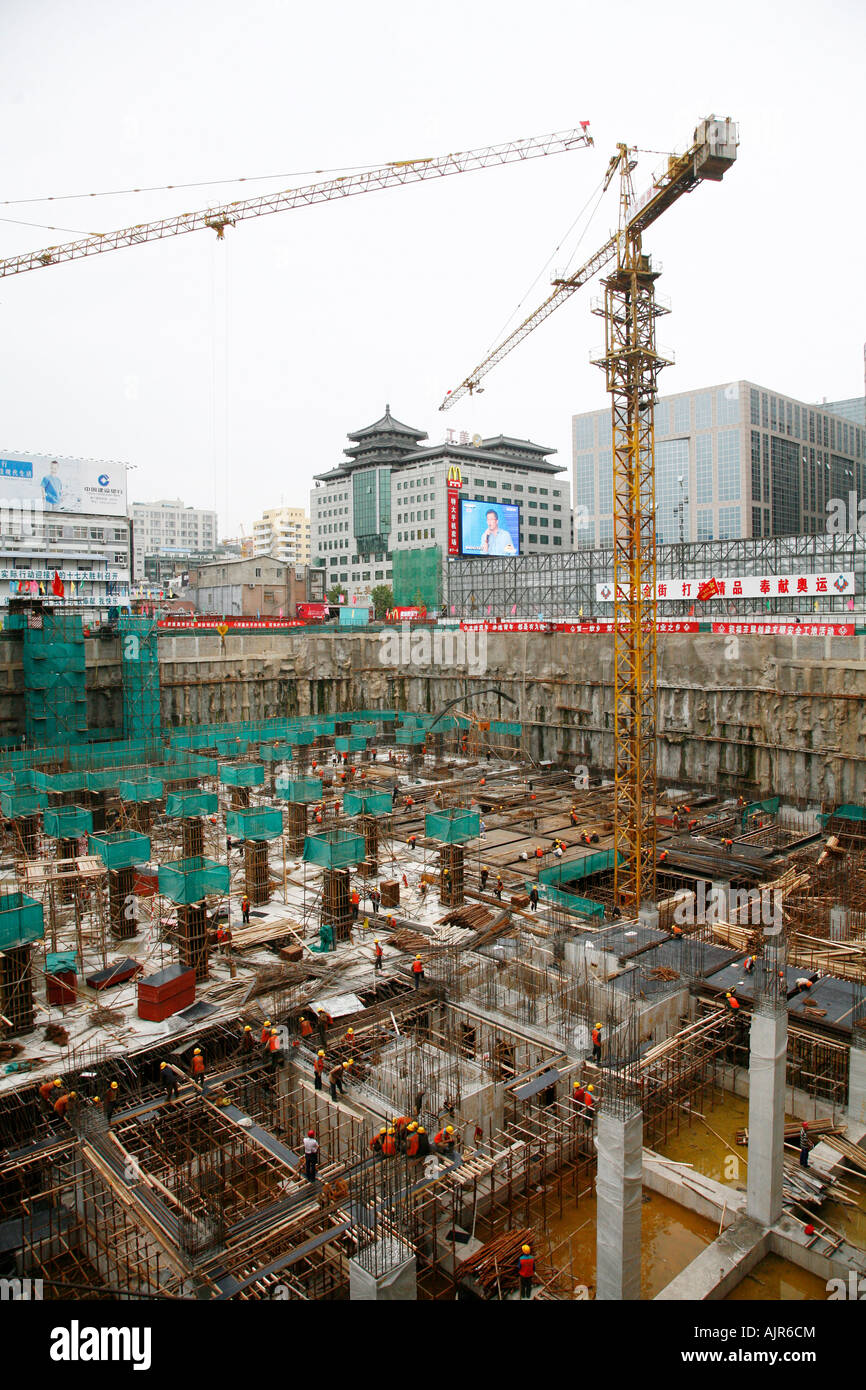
{"x":165,"y":993}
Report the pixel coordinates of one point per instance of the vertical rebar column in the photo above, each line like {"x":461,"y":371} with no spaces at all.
{"x":97,"y":809}
{"x":768,"y":1047}
{"x":121,"y":903}
{"x":301,"y":757}
{"x":296,"y":826}
{"x":143,"y":816}
{"x":192,"y":837}
{"x":451,"y":876}
{"x":27,"y":835}
{"x":240,"y":798}
{"x":370,"y":827}
{"x":336,"y":907}
{"x":192,"y":938}
{"x":16,"y":990}
{"x":256,"y":871}
{"x":66,"y":849}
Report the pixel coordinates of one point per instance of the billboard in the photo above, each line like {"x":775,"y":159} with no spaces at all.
{"x":44,"y":483}
{"x":489,"y":528}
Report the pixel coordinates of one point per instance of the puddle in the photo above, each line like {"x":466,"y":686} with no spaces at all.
{"x":777,"y":1280}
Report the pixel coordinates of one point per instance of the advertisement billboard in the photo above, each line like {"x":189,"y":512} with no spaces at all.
{"x":489,"y":528}
{"x":44,"y":483}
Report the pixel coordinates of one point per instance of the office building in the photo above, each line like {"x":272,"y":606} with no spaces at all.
{"x":169,"y":528}
{"x":284,"y":533}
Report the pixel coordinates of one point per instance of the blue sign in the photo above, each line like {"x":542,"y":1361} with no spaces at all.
{"x":490,"y":528}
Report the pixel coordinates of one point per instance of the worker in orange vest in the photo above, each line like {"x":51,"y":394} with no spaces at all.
{"x":266,"y":1032}
{"x":306,"y":1027}
{"x":578,"y":1095}
{"x":588,"y":1103}
{"x":526,"y":1271}
{"x":51,"y":1090}
{"x":275,"y":1055}
{"x":356,"y":903}
{"x":378,"y":952}
{"x":377,"y":1141}
{"x":61,"y":1104}
{"x":389,"y":1144}
{"x":412,"y":1140}
{"x":318,"y":1069}
{"x":444,"y":1141}
{"x":197,"y":1068}
{"x":111,"y":1101}
{"x":733,"y":1001}
{"x":417,"y":971}
{"x":245,"y":910}
{"x":596,"y":1043}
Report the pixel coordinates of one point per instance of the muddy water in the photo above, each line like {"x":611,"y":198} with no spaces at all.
{"x":671,"y":1238}
{"x":774,"y":1279}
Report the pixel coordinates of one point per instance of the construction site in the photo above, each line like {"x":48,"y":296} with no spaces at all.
{"x":328,"y":978}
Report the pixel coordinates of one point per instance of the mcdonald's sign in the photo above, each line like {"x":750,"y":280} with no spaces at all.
{"x":455,"y":477}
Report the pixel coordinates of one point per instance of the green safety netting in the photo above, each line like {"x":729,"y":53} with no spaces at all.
{"x":20,"y":921}
{"x":232,"y":747}
{"x":52,"y":658}
{"x":770,"y":805}
{"x":67,"y":822}
{"x":850,"y":811}
{"x":255,"y":823}
{"x":66,"y":782}
{"x":139,"y":655}
{"x":106,"y":780}
{"x":354,"y":617}
{"x":416,"y":577}
{"x":410,"y":721}
{"x":575,"y":869}
{"x":248,"y":775}
{"x":304,"y":789}
{"x":59,"y":962}
{"x":442,"y":724}
{"x":187,"y":881}
{"x":145,"y":789}
{"x":181,"y":805}
{"x":363,"y":730}
{"x":301,"y":738}
{"x":120,"y":849}
{"x":411,"y":738}
{"x":191,"y":767}
{"x":321,"y":727}
{"x":7,"y":784}
{"x":334,"y":849}
{"x":25,"y":802}
{"x":504,"y":726}
{"x":345,"y":743}
{"x":275,"y":752}
{"x":367,"y":803}
{"x":585,"y":906}
{"x":452,"y":826}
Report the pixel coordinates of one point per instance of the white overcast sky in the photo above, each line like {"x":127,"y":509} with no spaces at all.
{"x":229,"y":373}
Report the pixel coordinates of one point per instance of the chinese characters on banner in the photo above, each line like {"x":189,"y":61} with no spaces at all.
{"x":829,"y":585}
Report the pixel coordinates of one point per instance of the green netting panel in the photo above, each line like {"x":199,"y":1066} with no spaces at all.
{"x":585,"y":906}
{"x":771,"y":806}
{"x":354,"y":617}
{"x":66,"y":782}
{"x":52,"y":658}
{"x":7,"y":784}
{"x":305,"y":789}
{"x":232,"y":747}
{"x":410,"y":721}
{"x":850,"y":811}
{"x":367,"y":804}
{"x":191,"y":767}
{"x":21,"y":803}
{"x":106,"y":780}
{"x":334,"y":849}
{"x":247,"y":775}
{"x":576,"y":869}
{"x":443,"y":725}
{"x":301,"y":738}
{"x":181,"y":805}
{"x":187,"y":881}
{"x":363,"y":730}
{"x":410,"y":737}
{"x":452,"y":826}
{"x":20,"y":920}
{"x":146,"y":789}
{"x":503,"y":726}
{"x":416,"y":577}
{"x":275,"y":752}
{"x":255,"y":823}
{"x":67,"y":822}
{"x":189,"y":743}
{"x":28,"y":777}
{"x":58,"y":962}
{"x":120,"y":849}
{"x":346,"y":744}
{"x":320,"y":727}
{"x":139,"y":654}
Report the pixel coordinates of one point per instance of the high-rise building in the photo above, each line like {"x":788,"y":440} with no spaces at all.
{"x":283,"y":532}
{"x":389,"y":502}
{"x":170,"y":529}
{"x":732,"y":460}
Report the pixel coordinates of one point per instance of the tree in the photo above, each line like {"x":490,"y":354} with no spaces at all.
{"x":383,"y":599}
{"x":333,"y":594}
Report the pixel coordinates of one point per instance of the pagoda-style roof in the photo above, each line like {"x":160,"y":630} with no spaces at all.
{"x":387,"y":425}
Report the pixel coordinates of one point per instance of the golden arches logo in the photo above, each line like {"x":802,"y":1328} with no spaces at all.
{"x":455,"y":477}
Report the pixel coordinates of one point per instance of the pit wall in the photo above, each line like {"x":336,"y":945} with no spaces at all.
{"x":780,"y":715}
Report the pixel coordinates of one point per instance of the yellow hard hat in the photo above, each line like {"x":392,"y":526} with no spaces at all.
{"x":321,"y":1052}
{"x":57,"y":1081}
{"x":72,"y":1095}
{"x":417,"y":957}
{"x":162,"y":1065}
{"x":421,"y":1129}
{"x":350,"y":1061}
{"x":598,"y":1025}
{"x":576,"y":1085}
{"x":376,"y":941}
{"x":247,"y":1029}
{"x":449,"y":1129}
{"x":114,"y":1085}
{"x":197,"y":1052}
{"x":391,"y":1131}
{"x":273,"y":1032}
{"x":414,"y":1124}
{"x":96,"y":1100}
{"x":383,"y":1130}
{"x":590,"y":1088}
{"x":349,"y":1030}
{"x":525,"y":1249}
{"x":267,"y":1023}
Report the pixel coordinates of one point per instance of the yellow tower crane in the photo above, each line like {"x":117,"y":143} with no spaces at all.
{"x":631,"y":364}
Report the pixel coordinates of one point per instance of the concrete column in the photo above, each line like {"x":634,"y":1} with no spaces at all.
{"x":395,"y":1284}
{"x":648,"y":915}
{"x":768,"y":1046}
{"x":857,"y":1086}
{"x":721,"y":891}
{"x":618,"y":1214}
{"x":840,"y":928}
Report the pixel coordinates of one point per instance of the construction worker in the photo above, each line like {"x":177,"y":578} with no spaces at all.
{"x":356,"y":903}
{"x":389,"y":1143}
{"x":228,"y":846}
{"x":377,"y":1141}
{"x":306,"y":1027}
{"x":375,"y":899}
{"x":578,"y":1096}
{"x":573,"y":816}
{"x":444,"y":1141}
{"x":247,"y":1047}
{"x":322,"y":1021}
{"x":197,"y":1069}
{"x":401,"y":1125}
{"x":335,"y":1079}
{"x":749,"y":964}
{"x":499,"y":885}
{"x":411,"y":841}
{"x":50,"y":1090}
{"x":596,"y":1043}
{"x":168,"y":1080}
{"x":585,"y":838}
{"x":412,"y":1140}
{"x":485,"y":874}
{"x":423,"y":1142}
{"x":417,"y":972}
{"x":805,"y":1145}
{"x":311,"y":1155}
{"x":61,"y":1104}
{"x":275,"y":1056}
{"x":733,"y":1001}
{"x":533,"y":898}
{"x":111,"y":1101}
{"x":663,"y":856}
{"x":318,"y":1069}
{"x":588,"y":1103}
{"x":349,"y":1038}
{"x":377,"y":956}
{"x":526,"y":1270}
{"x":729,"y":845}
{"x":266,"y":1033}
{"x":245,"y":910}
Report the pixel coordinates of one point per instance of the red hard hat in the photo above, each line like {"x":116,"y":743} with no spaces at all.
{"x":311,"y":1134}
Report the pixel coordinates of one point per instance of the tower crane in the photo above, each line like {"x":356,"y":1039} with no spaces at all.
{"x":631,"y":363}
{"x":224,"y":215}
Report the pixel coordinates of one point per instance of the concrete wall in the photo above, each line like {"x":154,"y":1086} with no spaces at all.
{"x":778,"y":714}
